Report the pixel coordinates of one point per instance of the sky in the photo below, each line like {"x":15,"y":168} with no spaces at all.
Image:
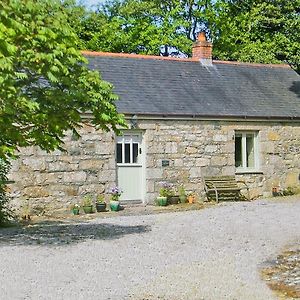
{"x":90,"y":3}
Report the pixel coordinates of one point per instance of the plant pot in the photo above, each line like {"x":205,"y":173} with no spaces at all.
{"x":114,"y":205}
{"x":182,"y":198}
{"x":173,"y":199}
{"x":75,"y":211}
{"x":101,"y":207}
{"x":161,"y":201}
{"x":88,"y":209}
{"x":191,"y":199}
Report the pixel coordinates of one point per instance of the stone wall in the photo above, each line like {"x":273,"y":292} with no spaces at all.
{"x":203,"y":148}
{"x":58,"y":179}
{"x":193,"y":148}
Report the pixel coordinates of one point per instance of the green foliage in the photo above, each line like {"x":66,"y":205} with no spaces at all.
{"x":143,"y":26}
{"x":100,"y":199}
{"x":258,"y":31}
{"x":250,"y":31}
{"x":181,"y":191}
{"x":87,"y":200}
{"x":5,"y":213}
{"x":45,"y":84}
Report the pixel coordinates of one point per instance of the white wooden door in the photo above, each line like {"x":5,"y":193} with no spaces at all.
{"x":129,"y":166}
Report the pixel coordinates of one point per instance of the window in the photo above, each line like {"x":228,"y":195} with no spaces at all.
{"x":246,"y":152}
{"x":128,"y":149}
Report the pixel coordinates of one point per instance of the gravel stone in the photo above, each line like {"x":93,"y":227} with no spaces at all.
{"x":214,"y":253}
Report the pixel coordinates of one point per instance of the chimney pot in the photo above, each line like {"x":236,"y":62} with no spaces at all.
{"x":202,"y":50}
{"x":202,"y":37}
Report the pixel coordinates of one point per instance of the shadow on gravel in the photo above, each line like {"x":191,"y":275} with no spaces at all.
{"x":65,"y":234}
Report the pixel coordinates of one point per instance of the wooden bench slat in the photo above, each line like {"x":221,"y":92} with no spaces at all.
{"x":222,"y":188}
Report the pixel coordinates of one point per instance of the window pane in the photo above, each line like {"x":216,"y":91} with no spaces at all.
{"x":127,"y":153}
{"x":238,"y":151}
{"x":250,"y":150}
{"x":135,"y":153}
{"x":119,"y":153}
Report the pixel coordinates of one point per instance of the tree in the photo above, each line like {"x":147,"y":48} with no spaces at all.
{"x":251,"y":30}
{"x":45,"y":84}
{"x":146,"y":27}
{"x":258,"y":31}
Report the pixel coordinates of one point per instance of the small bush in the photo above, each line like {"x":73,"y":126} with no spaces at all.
{"x":6,"y":214}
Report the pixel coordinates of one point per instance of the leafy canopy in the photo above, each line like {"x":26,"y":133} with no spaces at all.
{"x":244,"y":30}
{"x":45,"y":84}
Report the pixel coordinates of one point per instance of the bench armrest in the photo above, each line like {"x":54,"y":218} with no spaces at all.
{"x":214,"y":188}
{"x":246,"y":186}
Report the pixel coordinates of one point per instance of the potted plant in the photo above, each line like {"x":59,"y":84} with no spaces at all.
{"x":115,"y":196}
{"x":164,"y":193}
{"x":100,"y":204}
{"x":182,"y":194}
{"x":87,"y":204}
{"x":75,"y":209}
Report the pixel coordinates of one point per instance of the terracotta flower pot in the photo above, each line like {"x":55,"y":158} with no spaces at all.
{"x":191,"y":199}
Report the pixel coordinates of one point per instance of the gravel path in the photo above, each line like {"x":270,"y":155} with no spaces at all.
{"x":215,"y":253}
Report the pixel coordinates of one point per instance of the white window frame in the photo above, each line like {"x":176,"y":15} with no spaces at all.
{"x":131,"y":137}
{"x":244,"y":168}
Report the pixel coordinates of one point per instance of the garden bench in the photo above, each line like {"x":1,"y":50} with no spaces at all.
{"x":224,"y":188}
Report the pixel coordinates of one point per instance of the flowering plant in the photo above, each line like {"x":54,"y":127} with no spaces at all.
{"x":115,"y":193}
{"x":75,"y":206}
{"x":87,"y":200}
{"x":100,"y":199}
{"x":166,"y":190}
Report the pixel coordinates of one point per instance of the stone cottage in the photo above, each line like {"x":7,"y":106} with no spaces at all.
{"x":188,"y":118}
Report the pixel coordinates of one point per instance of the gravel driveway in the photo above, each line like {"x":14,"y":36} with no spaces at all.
{"x":215,"y":253}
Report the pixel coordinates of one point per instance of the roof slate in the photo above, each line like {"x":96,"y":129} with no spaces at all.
{"x":174,"y":87}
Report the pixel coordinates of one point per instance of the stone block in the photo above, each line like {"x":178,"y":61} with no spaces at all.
{"x":93,"y":189}
{"x":103,"y":148}
{"x":107,"y":175}
{"x":218,"y":161}
{"x":152,"y":173}
{"x":228,"y":148}
{"x":171,"y":147}
{"x":35,"y":192}
{"x":60,"y":166}
{"x":90,"y":164}
{"x":273,"y":136}
{"x":178,"y":162}
{"x":292,"y":179}
{"x":48,"y":178}
{"x":202,"y":162}
{"x":61,"y":190}
{"x":220,"y":138}
{"x":34,"y":163}
{"x":191,"y":150}
{"x":228,"y":170}
{"x":74,"y":177}
{"x":195,"y":172}
{"x":28,"y":151}
{"x":211,"y":148}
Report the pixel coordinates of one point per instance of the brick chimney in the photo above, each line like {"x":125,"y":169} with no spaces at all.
{"x":202,"y":50}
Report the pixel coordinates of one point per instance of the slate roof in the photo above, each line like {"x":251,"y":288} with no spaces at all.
{"x":158,"y":86}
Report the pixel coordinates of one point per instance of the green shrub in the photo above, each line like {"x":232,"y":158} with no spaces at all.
{"x":6,"y":214}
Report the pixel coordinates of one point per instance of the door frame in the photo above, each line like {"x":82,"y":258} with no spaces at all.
{"x":143,"y":161}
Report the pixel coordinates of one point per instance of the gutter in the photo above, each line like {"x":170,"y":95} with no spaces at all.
{"x":185,"y":117}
